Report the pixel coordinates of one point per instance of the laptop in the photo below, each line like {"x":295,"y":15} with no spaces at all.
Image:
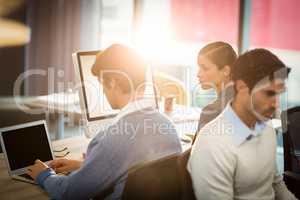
{"x":24,"y":143}
{"x":97,"y":113}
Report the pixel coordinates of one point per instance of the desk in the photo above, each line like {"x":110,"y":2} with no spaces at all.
{"x":13,"y":190}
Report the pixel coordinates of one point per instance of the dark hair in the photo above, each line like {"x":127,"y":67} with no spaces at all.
{"x":122,"y":59}
{"x":257,"y":64}
{"x":219,"y":53}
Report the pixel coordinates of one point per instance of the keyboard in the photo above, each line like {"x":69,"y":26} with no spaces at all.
{"x":26,"y":176}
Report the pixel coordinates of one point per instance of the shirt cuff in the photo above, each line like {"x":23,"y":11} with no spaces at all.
{"x":43,"y":175}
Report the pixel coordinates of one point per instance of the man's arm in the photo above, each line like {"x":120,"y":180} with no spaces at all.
{"x":97,"y":172}
{"x":280,"y":189}
{"x":65,"y":165}
{"x":211,"y":166}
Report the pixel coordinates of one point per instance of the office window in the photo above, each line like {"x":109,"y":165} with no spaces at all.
{"x":198,"y":22}
{"x":275,"y":26}
{"x":116,"y":22}
{"x":205,"y":21}
{"x":171,"y":32}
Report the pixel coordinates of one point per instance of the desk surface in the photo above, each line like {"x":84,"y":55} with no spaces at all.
{"x":57,"y":102}
{"x":69,"y":103}
{"x":13,"y":190}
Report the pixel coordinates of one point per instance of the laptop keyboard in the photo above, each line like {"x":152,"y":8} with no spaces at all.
{"x":26,"y":176}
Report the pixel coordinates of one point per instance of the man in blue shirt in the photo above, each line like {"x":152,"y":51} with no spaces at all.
{"x":138,"y":134}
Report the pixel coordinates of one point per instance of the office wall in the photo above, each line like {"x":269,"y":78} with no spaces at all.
{"x":12,"y":65}
{"x":12,"y":59}
{"x":58,"y":29}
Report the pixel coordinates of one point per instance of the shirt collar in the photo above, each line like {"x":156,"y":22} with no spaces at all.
{"x":241,"y":132}
{"x":134,"y":106}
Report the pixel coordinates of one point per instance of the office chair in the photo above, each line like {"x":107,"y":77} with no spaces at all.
{"x":105,"y":193}
{"x":291,"y":143}
{"x":162,"y":179}
{"x":187,"y":192}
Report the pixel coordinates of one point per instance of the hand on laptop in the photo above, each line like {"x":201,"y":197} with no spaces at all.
{"x":35,"y":169}
{"x":65,"y":165}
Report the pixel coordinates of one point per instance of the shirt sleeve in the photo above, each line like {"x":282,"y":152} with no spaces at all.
{"x":97,"y":173}
{"x":212,"y":171}
{"x":43,"y":175}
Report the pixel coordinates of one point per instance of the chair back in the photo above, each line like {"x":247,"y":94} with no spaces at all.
{"x":154,"y":180}
{"x":187,"y":192}
{"x":161,"y":179}
{"x":291,"y":139}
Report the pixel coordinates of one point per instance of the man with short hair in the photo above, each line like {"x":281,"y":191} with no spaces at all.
{"x":138,"y":134}
{"x":234,"y":156}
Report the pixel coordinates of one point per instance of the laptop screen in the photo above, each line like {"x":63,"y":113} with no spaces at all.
{"x":23,"y":146}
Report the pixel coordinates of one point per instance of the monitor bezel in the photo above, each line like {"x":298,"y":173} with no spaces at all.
{"x":82,"y":93}
{"x":82,"y":87}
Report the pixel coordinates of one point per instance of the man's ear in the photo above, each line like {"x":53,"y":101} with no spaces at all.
{"x":110,"y":83}
{"x":241,"y":86}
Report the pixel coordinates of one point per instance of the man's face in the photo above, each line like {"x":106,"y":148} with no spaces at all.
{"x":109,"y":93}
{"x":264,"y":99}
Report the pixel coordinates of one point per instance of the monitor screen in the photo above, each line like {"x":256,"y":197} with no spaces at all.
{"x":23,"y":146}
{"x":96,"y":103}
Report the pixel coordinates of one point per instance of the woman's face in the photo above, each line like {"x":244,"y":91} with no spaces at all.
{"x":209,"y":75}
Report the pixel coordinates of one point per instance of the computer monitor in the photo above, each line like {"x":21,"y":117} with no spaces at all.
{"x":93,"y":101}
